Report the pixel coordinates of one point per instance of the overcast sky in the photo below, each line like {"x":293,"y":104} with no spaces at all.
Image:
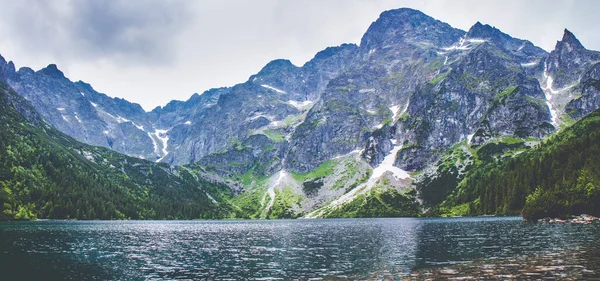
{"x":154,"y":51}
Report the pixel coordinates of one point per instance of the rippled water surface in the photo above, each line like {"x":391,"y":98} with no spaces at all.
{"x":289,"y":249}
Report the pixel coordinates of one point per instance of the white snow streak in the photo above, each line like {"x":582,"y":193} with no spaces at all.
{"x":465,"y":44}
{"x":470,"y":138}
{"x":282,"y":178}
{"x":272,"y":88}
{"x":141,"y":128}
{"x":530,"y":64}
{"x":93,"y":104}
{"x":388,"y":165}
{"x":120,"y":120}
{"x":188,"y":123}
{"x":164,"y":139}
{"x":362,"y":91}
{"x":153,"y":143}
{"x":60,"y":109}
{"x":394,"y":109}
{"x":550,"y":93}
{"x":395,"y":112}
{"x":300,"y":105}
{"x":358,"y":152}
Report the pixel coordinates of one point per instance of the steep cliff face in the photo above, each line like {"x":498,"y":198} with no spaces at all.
{"x":588,"y":98}
{"x":568,"y":80}
{"x":396,"y":55}
{"x":88,"y":116}
{"x":271,"y":103}
{"x":482,"y":94}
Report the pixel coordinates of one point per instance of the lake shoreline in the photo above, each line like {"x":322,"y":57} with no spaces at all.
{"x":266,"y":219}
{"x":329,"y":249}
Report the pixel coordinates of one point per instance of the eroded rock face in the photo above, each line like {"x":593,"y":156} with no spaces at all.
{"x":589,"y":98}
{"x":79,"y":111}
{"x":569,"y":61}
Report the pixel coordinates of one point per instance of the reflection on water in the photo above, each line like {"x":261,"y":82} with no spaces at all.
{"x":283,"y":249}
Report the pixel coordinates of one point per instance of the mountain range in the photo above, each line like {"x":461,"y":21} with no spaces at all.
{"x":393,"y":126}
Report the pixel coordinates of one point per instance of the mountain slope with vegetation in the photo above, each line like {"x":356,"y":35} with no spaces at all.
{"x":558,"y":177}
{"x":46,"y":174}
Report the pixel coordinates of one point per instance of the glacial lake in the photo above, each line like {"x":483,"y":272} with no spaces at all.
{"x":328,"y":249}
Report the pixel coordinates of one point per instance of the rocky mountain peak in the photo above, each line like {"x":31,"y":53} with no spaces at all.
{"x":6,"y":68}
{"x":25,"y":71}
{"x":277,"y":65}
{"x":569,"y":60}
{"x":479,"y":30}
{"x":408,"y":25}
{"x":52,"y":71}
{"x":332,"y":51}
{"x":522,"y":49}
{"x":404,"y":15}
{"x":569,"y":41}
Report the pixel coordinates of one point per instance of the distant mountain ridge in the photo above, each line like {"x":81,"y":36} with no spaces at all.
{"x":354,"y":120}
{"x":46,"y":174}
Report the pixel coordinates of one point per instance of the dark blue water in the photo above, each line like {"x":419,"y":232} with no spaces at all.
{"x":278,"y":249}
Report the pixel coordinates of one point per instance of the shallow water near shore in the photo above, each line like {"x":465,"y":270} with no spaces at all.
{"x":330,"y":249}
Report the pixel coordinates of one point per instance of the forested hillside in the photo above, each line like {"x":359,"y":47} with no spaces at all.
{"x":46,"y":174}
{"x":557,"y":178}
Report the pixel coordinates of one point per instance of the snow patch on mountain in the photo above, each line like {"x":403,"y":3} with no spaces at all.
{"x":164,"y":139}
{"x":530,"y":64}
{"x":273,"y":88}
{"x":554,"y":97}
{"x":300,"y":105}
{"x":385,"y":168}
{"x":362,"y":91}
{"x":464,"y":44}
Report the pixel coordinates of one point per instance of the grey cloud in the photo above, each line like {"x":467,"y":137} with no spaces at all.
{"x":119,"y":30}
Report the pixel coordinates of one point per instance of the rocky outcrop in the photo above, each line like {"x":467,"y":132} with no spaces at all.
{"x":581,"y":219}
{"x":588,"y":98}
